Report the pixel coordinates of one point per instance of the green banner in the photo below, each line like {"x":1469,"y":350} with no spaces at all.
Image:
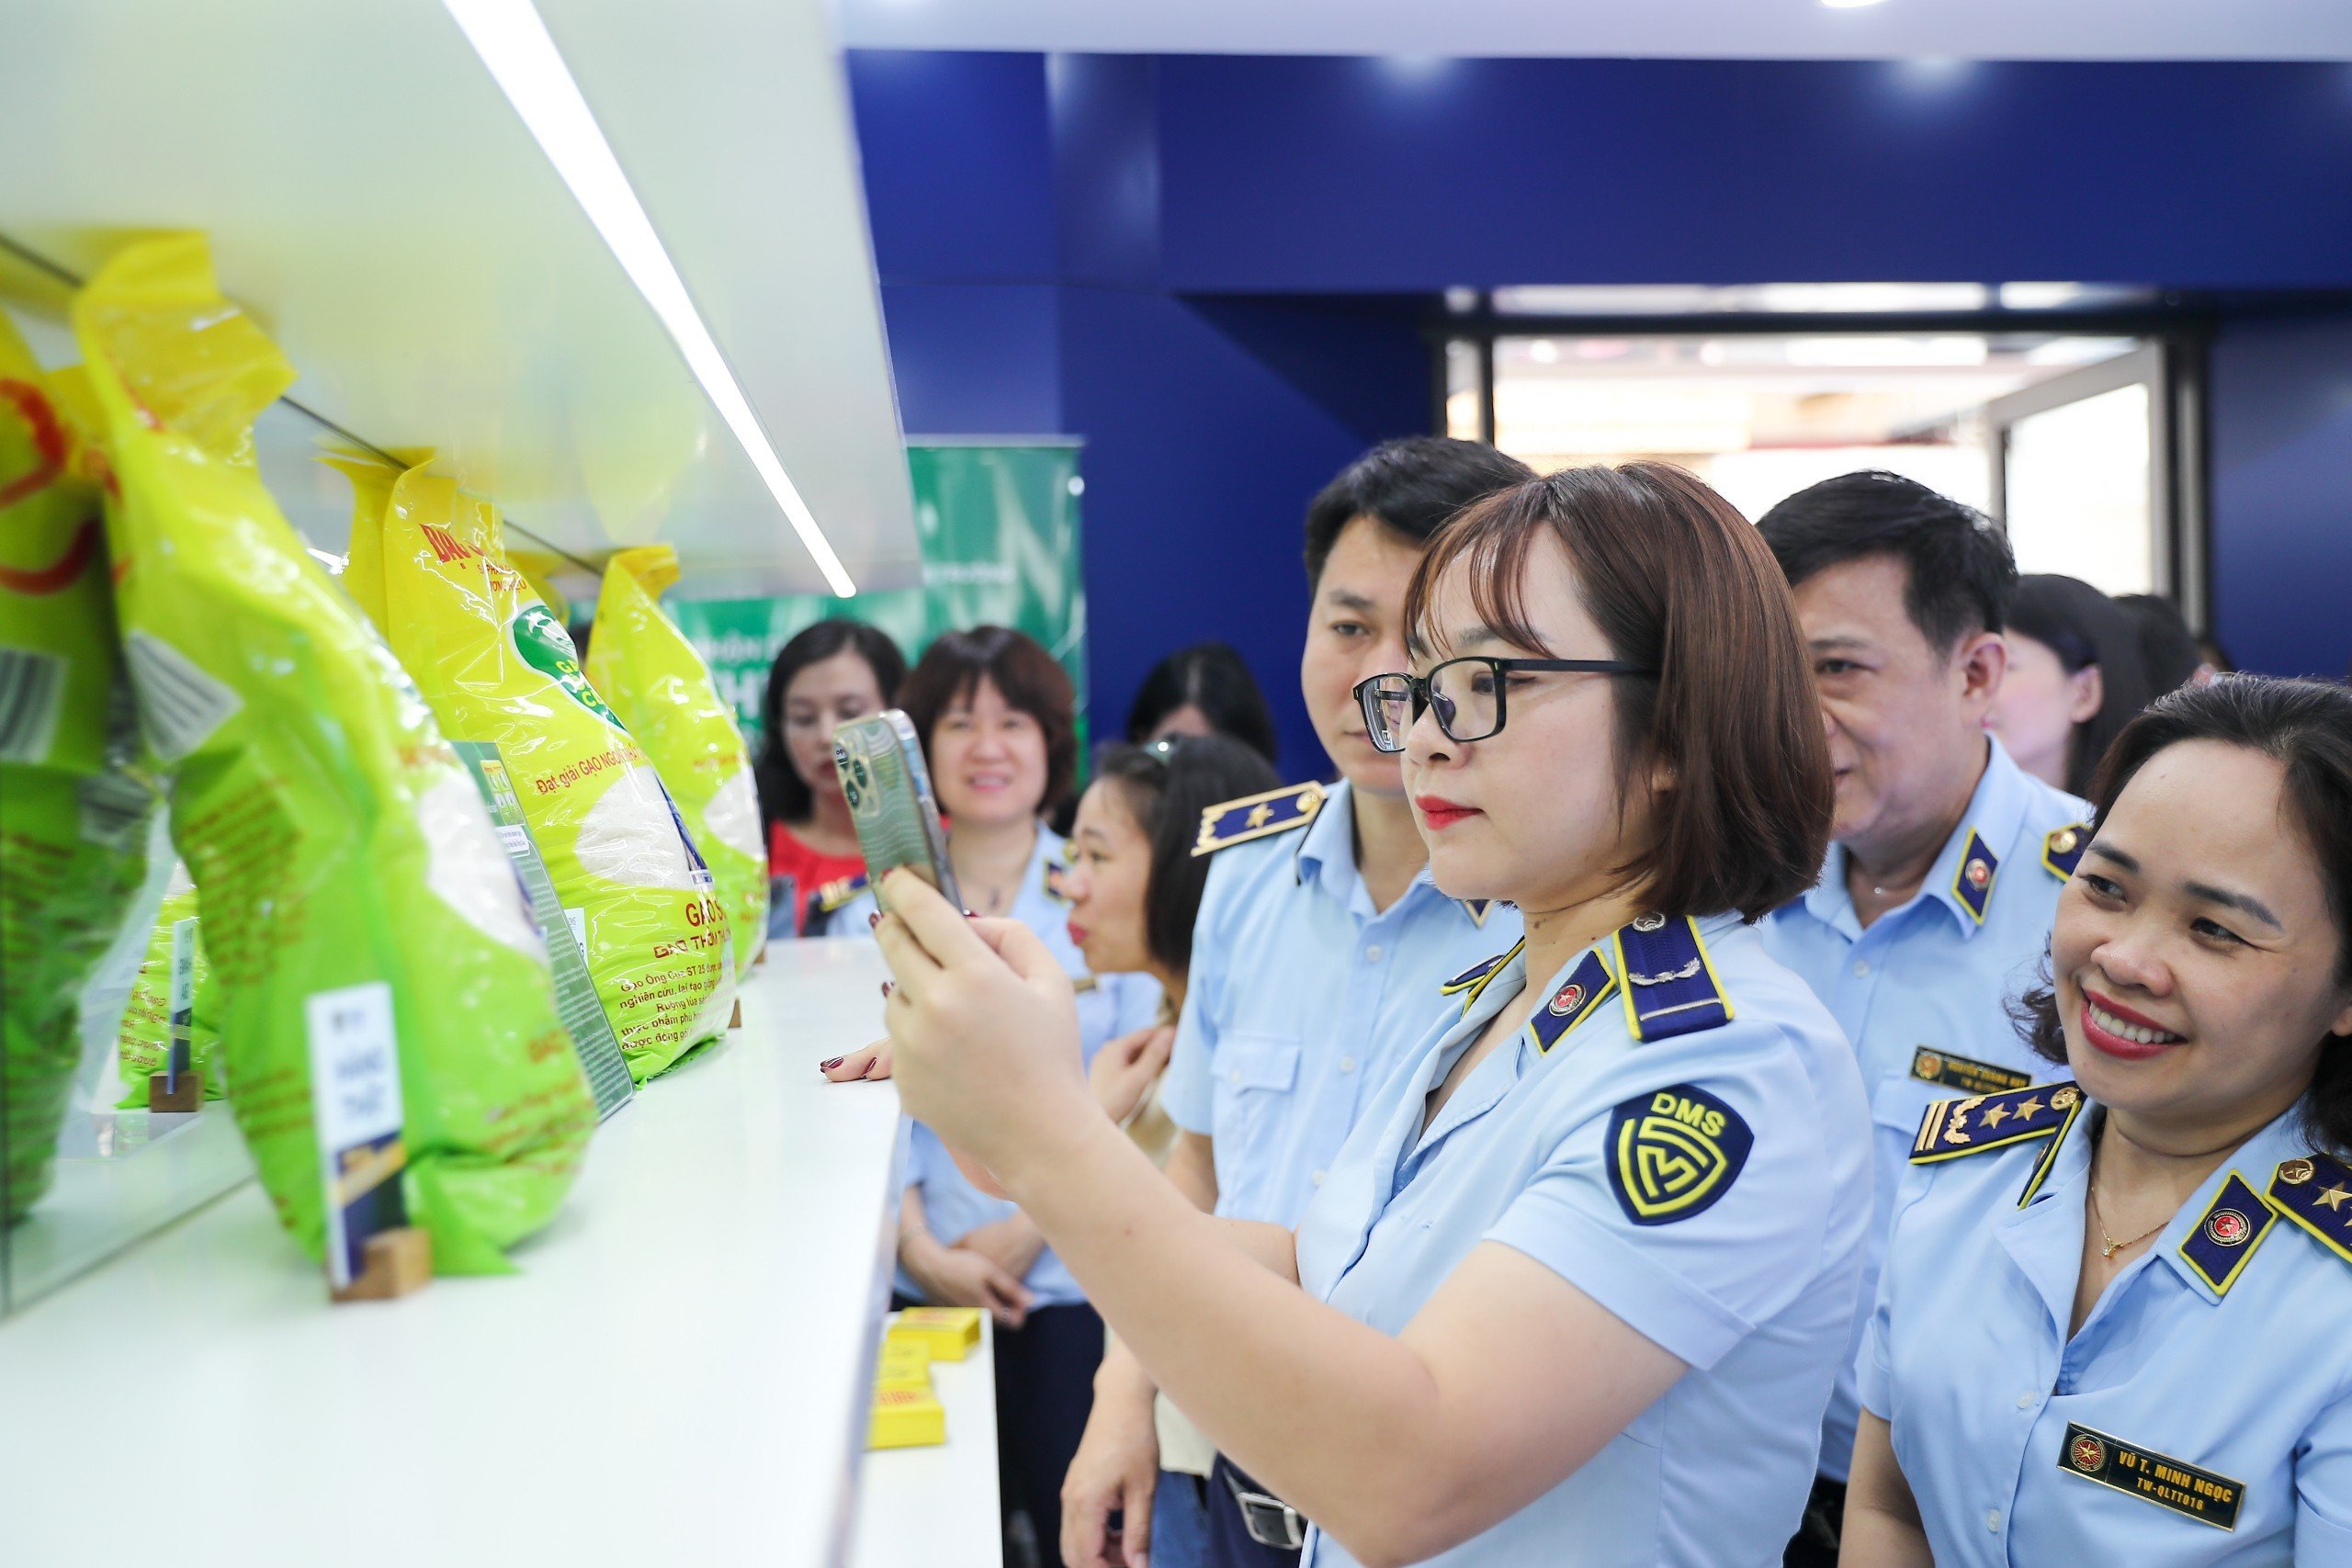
{"x":999,"y":527}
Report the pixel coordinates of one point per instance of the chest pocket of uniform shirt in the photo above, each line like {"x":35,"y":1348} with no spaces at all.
{"x":1255,"y":1075}
{"x":1899,"y":1103}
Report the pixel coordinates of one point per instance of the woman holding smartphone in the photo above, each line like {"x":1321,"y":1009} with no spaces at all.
{"x":1576,"y":1289}
{"x":994,"y":711}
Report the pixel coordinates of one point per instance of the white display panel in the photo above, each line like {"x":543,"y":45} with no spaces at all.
{"x":376,"y":201}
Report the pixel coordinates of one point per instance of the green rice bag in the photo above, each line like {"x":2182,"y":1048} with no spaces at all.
{"x":347,"y":865}
{"x":143,"y":1040}
{"x":73,"y":821}
{"x":663,"y":691}
{"x":499,"y":668}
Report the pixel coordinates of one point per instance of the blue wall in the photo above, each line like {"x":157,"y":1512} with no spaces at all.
{"x":2281,"y":457}
{"x":1212,"y":269}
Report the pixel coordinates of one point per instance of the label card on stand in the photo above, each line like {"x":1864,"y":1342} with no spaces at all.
{"x":356,"y":1101}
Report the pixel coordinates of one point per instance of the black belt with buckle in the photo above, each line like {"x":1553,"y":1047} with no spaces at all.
{"x":1269,"y":1521}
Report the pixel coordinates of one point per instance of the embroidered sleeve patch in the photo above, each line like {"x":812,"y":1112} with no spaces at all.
{"x":2153,"y":1477}
{"x":1674,"y":1154}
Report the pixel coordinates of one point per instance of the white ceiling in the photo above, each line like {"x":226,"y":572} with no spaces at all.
{"x":1716,"y":29}
{"x":379,"y":205}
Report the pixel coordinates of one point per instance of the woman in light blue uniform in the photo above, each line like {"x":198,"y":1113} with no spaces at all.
{"x":2115,"y":1324}
{"x":1576,"y":1288}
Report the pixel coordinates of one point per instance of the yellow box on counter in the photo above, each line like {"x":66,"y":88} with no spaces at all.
{"x":945,"y":1334}
{"x":906,"y":1418}
{"x":903,"y":1366}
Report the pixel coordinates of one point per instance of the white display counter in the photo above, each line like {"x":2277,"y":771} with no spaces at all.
{"x":679,"y":1374}
{"x":937,"y":1507}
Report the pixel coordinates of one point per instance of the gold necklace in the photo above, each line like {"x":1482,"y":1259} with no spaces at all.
{"x":2109,"y":1245}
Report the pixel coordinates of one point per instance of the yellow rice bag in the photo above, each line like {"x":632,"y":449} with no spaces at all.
{"x":498,"y":668}
{"x":357,"y":909}
{"x":73,"y":820}
{"x":663,"y":691}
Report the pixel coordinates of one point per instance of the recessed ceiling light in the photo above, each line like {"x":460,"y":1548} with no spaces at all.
{"x":514,"y":42}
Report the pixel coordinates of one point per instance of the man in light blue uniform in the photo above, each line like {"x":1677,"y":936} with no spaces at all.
{"x":1301,"y":994}
{"x":1934,"y":908}
{"x":1690,"y":1152}
{"x":2203,"y":1411}
{"x":1318,"y":957}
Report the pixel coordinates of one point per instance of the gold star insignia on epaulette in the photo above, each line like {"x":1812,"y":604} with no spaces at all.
{"x":2316,"y":1194}
{"x":1256,"y":817}
{"x":1980,"y":1121}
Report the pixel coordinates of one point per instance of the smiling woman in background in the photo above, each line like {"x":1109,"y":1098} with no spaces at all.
{"x":2112,"y":1326}
{"x":1576,"y":1287}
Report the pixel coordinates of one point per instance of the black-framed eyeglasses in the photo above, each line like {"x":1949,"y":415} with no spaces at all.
{"x":1468,"y":695}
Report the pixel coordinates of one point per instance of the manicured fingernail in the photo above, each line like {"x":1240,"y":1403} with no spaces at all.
{"x":873,"y":920}
{"x":970,"y":915}
{"x":828,"y":1066}
{"x":887,"y":987}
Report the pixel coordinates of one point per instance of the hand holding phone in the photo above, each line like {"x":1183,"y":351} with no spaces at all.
{"x":880,"y":759}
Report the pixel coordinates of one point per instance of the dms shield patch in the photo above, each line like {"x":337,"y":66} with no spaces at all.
{"x":1673,"y":1153}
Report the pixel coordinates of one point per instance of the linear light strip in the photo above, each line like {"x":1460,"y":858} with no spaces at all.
{"x":513,"y":43}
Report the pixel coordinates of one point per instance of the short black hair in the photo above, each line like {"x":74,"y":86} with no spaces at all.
{"x":1961,"y":568}
{"x":2168,"y":651}
{"x":2306,"y":726}
{"x":1411,"y":487}
{"x":1214,"y":678}
{"x":1167,"y":786}
{"x":784,"y":793}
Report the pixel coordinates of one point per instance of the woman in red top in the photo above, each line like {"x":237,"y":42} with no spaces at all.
{"x":828,"y":675}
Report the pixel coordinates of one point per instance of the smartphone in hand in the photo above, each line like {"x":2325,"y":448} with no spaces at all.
{"x":879,"y":759}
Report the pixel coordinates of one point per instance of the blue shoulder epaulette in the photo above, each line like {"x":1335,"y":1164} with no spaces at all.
{"x":1257,"y":816}
{"x":2062,"y":848}
{"x":837,"y":894}
{"x":1671,"y":988}
{"x":1473,"y":979}
{"x":1980,"y":1121}
{"x":2315,"y":1192}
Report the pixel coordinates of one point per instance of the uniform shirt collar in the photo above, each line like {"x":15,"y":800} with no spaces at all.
{"x":1326,"y":856}
{"x":1994,"y":813}
{"x":2255,"y":1161}
{"x":2069,"y":1181}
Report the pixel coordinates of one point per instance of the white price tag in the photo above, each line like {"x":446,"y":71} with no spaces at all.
{"x":355,"y":1096}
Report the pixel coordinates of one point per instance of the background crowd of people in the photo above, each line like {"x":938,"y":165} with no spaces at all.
{"x":1773,"y":823}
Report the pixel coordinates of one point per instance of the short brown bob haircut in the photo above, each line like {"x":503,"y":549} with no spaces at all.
{"x":1679,"y":583}
{"x":1023,"y":672}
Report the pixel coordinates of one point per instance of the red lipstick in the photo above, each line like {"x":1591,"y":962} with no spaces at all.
{"x":2121,"y":1047}
{"x":1439,"y":813}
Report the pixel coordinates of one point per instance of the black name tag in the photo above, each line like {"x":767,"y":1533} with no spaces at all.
{"x":1931,"y":1065}
{"x":2156,"y":1478}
